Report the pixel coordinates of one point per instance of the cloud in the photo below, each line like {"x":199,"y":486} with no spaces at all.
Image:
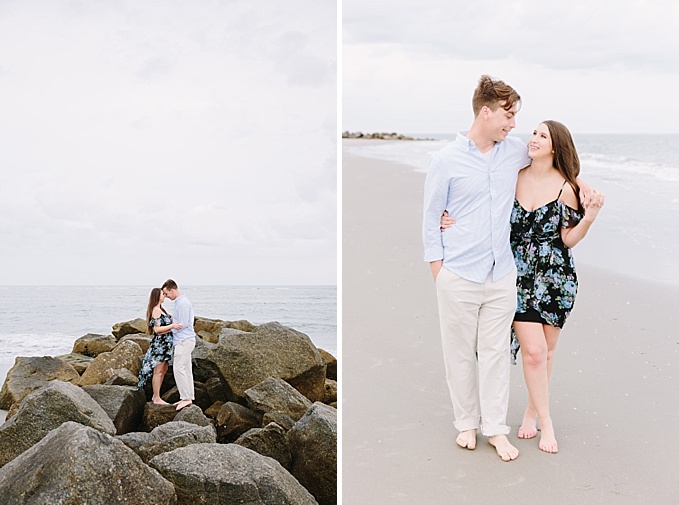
{"x":184,"y":133}
{"x":581,"y":34}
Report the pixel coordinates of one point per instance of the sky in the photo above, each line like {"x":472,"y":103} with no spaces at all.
{"x":141,"y":140}
{"x":597,"y":66}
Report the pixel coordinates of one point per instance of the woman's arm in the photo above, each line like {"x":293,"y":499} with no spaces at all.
{"x":572,"y":236}
{"x":162,"y":330}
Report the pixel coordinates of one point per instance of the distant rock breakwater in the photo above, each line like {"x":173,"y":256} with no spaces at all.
{"x":262,"y":429}
{"x":379,"y":136}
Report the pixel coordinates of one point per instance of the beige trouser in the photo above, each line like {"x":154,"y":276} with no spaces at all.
{"x":183,"y":374}
{"x":476,"y":318}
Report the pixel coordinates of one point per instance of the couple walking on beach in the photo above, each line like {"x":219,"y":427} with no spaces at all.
{"x":171,"y":335}
{"x":499,"y":223}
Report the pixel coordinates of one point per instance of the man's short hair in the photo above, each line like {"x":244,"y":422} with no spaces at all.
{"x":169,"y":284}
{"x":493,"y":93}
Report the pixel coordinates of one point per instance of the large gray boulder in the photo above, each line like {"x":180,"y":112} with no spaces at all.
{"x":94,"y":344}
{"x":135,"y":439}
{"x":270,"y":350}
{"x":121,"y":377}
{"x":233,"y":420}
{"x":268,"y":441}
{"x":208,"y":329}
{"x":47,"y":409}
{"x":330,"y":396}
{"x":313,"y":444}
{"x":30,"y":374}
{"x":74,"y":465}
{"x":276,"y":395}
{"x":193,"y":414}
{"x":123,"y":404}
{"x":125,"y":355}
{"x":171,"y":436}
{"x":216,"y":473}
{"x":330,"y":363}
{"x":129,"y":327}
{"x":203,"y":369}
{"x":143,"y":340}
{"x":155,"y":415}
{"x":78,"y":361}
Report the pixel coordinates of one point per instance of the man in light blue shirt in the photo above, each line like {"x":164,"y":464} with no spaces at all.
{"x":474,"y":179}
{"x":184,"y":341}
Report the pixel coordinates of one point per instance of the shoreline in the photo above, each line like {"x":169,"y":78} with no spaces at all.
{"x":611,"y":393}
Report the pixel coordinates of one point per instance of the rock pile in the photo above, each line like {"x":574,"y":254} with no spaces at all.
{"x":378,"y":135}
{"x":263,"y":427}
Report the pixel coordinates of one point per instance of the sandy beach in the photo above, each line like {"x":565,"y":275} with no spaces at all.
{"x":613,"y":391}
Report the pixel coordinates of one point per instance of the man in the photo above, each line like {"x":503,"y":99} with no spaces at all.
{"x":474,"y":179}
{"x":183,"y":340}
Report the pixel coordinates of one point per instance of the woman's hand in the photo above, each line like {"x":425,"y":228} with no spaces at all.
{"x":177,"y":326}
{"x":446,"y":221}
{"x":593,"y":206}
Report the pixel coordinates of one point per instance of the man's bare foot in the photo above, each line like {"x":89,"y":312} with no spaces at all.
{"x":183,"y":403}
{"x":528,"y":427}
{"x":467,"y":439}
{"x":504,"y":449}
{"x":159,"y":401}
{"x":547,"y":438}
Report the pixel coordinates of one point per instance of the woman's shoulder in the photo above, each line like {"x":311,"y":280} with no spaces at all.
{"x":156,"y":313}
{"x":568,"y":196}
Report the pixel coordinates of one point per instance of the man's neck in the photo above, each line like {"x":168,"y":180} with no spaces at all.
{"x":481,"y":141}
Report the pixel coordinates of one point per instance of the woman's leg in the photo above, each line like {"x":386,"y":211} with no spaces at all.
{"x":157,"y":381}
{"x":535,"y":352}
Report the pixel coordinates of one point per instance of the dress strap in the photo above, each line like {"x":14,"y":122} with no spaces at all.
{"x":559,"y":195}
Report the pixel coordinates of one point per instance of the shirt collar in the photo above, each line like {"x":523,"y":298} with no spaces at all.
{"x":468,"y":145}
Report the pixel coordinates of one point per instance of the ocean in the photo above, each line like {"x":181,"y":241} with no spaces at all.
{"x":636,"y":232}
{"x":46,"y":320}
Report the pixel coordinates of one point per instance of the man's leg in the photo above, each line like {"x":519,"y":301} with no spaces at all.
{"x":183,"y":373}
{"x":495,"y":319}
{"x":458,"y":301}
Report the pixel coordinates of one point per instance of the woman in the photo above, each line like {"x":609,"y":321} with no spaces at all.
{"x":547,"y":221}
{"x":159,"y":324}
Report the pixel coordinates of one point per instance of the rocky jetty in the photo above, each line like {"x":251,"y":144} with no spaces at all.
{"x":262,"y":429}
{"x":379,"y":136}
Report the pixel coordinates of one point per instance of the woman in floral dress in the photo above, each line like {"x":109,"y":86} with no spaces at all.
{"x":159,"y":324}
{"x":547,"y":221}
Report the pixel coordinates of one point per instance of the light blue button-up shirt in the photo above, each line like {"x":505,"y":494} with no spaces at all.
{"x":478,"y":191}
{"x":183,"y":314}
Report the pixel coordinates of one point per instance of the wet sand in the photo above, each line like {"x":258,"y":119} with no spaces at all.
{"x":613,"y":392}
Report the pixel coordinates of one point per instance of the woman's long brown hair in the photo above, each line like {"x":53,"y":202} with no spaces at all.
{"x":566,"y":159}
{"x":154,"y":299}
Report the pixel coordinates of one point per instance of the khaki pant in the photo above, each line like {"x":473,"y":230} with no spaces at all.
{"x":476,"y":318}
{"x":183,"y":374}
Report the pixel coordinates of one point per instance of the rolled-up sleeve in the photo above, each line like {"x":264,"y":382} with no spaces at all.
{"x":435,"y":199}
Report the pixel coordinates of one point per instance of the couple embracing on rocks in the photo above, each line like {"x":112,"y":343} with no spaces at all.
{"x":172,"y":334}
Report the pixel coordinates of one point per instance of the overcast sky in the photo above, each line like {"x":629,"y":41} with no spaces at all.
{"x":141,"y":140}
{"x":597,"y":66}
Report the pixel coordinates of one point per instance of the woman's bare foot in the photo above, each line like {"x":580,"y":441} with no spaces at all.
{"x":547,"y":438}
{"x":159,"y":401}
{"x":528,"y":427}
{"x":183,"y":403}
{"x":467,"y":439}
{"x":504,"y":449}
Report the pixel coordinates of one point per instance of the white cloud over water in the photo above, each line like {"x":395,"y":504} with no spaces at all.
{"x":597,"y":66}
{"x":143,"y":140}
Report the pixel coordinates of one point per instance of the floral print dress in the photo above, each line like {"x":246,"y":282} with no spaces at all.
{"x":159,"y":350}
{"x":545,"y":272}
